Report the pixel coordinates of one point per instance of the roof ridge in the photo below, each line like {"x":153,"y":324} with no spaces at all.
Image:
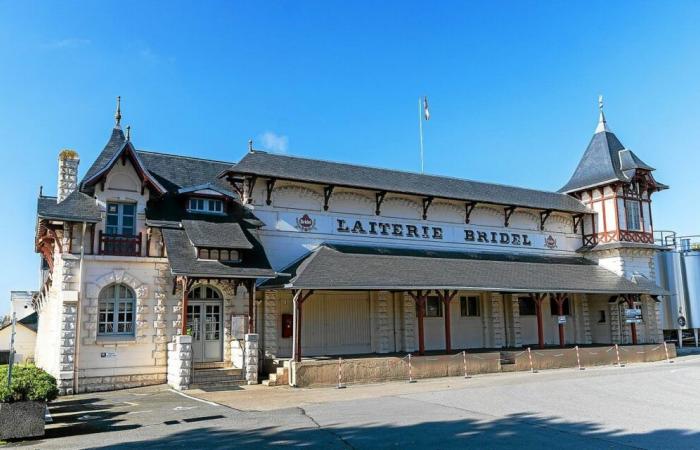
{"x":151,"y":152}
{"x":449,"y":177}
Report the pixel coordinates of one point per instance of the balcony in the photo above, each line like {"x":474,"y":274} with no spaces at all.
{"x":119,"y":245}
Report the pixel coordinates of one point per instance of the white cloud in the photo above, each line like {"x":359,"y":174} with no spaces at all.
{"x":68,"y":43}
{"x":274,"y":142}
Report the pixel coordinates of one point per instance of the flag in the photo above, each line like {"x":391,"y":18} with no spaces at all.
{"x":426,"y":111}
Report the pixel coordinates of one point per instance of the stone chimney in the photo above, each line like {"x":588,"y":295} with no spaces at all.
{"x":67,"y":173}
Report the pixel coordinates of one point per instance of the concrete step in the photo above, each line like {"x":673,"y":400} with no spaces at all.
{"x":279,"y":378}
{"x":210,"y":365}
{"x":507,"y":367}
{"x":216,"y":375}
{"x":218,"y":386}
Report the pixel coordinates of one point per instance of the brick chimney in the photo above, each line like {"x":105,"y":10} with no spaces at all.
{"x":67,"y":173}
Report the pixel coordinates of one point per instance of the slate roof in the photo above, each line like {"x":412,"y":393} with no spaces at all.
{"x":219,"y":235}
{"x":173,"y":172}
{"x":349,"y":175}
{"x":78,"y":207}
{"x":605,"y":161}
{"x":31,"y":321}
{"x":181,"y":172}
{"x":183,"y":260}
{"x":347,"y":267}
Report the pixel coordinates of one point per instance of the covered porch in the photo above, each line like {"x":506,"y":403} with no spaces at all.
{"x":358,"y":300}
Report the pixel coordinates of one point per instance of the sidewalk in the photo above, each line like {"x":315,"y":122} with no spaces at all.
{"x":263,"y":398}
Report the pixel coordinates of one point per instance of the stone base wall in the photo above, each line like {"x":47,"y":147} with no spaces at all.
{"x":112,"y":383}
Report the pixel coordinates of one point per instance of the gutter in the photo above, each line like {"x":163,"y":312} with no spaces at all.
{"x":78,"y":324}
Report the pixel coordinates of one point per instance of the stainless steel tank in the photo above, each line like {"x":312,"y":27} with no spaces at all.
{"x":691,"y":261}
{"x":670,"y":276}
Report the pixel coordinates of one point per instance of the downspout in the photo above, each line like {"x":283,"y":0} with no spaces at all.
{"x":78,"y":324}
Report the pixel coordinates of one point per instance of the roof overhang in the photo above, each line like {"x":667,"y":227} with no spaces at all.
{"x":127,"y":150}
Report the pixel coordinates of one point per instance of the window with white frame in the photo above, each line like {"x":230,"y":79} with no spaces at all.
{"x":121,"y":219}
{"x":633,"y":215}
{"x":469,"y":306}
{"x":116,"y":307}
{"x":206,"y":205}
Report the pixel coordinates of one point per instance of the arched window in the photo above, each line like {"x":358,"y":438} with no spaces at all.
{"x":116,"y":310}
{"x":205,"y":293}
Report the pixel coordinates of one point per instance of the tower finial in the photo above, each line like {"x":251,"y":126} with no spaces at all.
{"x":250,"y":145}
{"x":128,"y":132}
{"x":602,"y":123}
{"x":118,"y":114}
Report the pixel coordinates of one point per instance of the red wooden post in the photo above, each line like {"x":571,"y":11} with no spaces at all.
{"x":446,"y":298}
{"x":184,"y":303}
{"x":537,"y":298}
{"x":420,"y":304}
{"x":633,"y":326}
{"x":251,"y":306}
{"x":300,"y":301}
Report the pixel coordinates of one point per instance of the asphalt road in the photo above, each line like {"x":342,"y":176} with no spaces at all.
{"x":652,"y":405}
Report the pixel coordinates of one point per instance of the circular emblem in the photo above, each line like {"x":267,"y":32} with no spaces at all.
{"x":550,"y":242}
{"x":306,"y":223}
{"x":681,"y":321}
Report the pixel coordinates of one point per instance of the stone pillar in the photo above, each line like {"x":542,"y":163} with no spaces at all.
{"x":67,"y":174}
{"x":250,"y":357}
{"x":651,"y":320}
{"x":409,"y":323}
{"x":515,"y":318}
{"x":615,"y":332}
{"x":587,"y":337}
{"x":180,"y":362}
{"x":382,"y":324}
{"x":160,"y":340}
{"x":271,"y":324}
{"x":67,"y":347}
{"x":498,"y":333}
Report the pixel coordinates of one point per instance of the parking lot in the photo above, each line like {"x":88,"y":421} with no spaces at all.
{"x":651,"y":405}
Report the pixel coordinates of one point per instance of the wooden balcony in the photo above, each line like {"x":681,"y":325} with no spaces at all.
{"x":119,"y":245}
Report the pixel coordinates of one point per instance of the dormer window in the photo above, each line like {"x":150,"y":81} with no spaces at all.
{"x":215,"y":254}
{"x":206,"y":205}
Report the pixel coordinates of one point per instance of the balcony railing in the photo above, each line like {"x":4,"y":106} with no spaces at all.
{"x":119,"y":245}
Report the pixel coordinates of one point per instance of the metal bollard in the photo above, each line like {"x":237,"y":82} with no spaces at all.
{"x":410,"y":370}
{"x":464,"y":357}
{"x":578,"y":360}
{"x":529,"y":355}
{"x":668,"y":359}
{"x":340,"y":374}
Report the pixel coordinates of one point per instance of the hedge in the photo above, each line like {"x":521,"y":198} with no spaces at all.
{"x":28,"y":383}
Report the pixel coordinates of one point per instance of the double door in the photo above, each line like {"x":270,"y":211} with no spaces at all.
{"x":204,"y":320}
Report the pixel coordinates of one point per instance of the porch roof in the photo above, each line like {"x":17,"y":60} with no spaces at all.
{"x":183,"y":260}
{"x":345,"y":267}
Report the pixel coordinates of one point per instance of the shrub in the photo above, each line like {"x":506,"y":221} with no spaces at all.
{"x":28,"y":383}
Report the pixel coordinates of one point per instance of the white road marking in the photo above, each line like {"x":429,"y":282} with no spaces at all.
{"x":140,"y":412}
{"x":183,"y":408}
{"x":131,"y":403}
{"x":194,"y":398}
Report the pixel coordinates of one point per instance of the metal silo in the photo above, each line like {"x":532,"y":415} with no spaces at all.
{"x":670,"y":274}
{"x":691,"y":261}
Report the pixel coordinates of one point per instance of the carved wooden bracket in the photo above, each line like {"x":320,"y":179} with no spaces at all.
{"x":251,"y":185}
{"x":468,"y":208}
{"x":577,"y":222}
{"x":544,"y":215}
{"x":427,"y":201}
{"x":508,"y":211}
{"x":270,"y":187}
{"x":379,"y":196}
{"x":327,"y":192}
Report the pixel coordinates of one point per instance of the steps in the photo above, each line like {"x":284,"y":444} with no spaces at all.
{"x":281,"y":375}
{"x":216,"y":376}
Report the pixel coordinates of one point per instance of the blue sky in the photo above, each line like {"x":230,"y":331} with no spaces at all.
{"x":512,"y":87}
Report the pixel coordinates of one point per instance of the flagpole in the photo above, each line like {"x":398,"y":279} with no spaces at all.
{"x":420,"y":127}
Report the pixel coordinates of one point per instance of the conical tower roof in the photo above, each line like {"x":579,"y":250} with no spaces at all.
{"x":605,"y":161}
